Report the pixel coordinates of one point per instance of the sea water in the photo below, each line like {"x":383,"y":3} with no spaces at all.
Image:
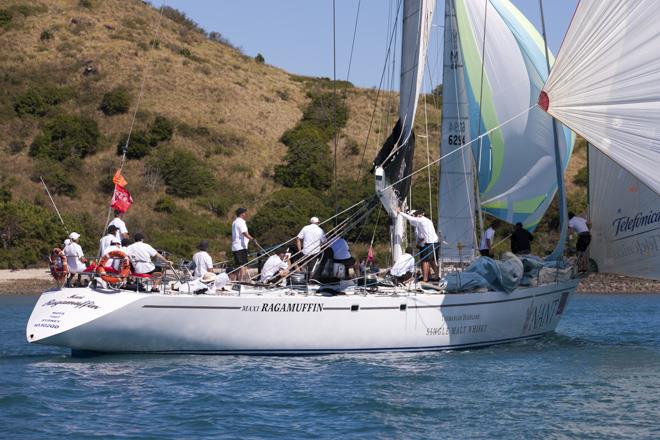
{"x":597,"y":377}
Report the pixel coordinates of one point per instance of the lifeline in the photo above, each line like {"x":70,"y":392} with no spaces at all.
{"x":292,"y":307}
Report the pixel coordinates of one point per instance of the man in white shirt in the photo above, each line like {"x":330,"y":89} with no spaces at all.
{"x":487,"y":241}
{"x":240,"y":237}
{"x":75,"y":257}
{"x":404,"y":267}
{"x":275,"y":268}
{"x":105,"y":241}
{"x":309,"y":241}
{"x":581,"y":227}
{"x":202,"y":260}
{"x":122,"y":231}
{"x":141,"y":254}
{"x":427,"y":238}
{"x":341,"y":254}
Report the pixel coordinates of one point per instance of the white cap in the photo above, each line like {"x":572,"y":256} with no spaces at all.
{"x":74,"y":236}
{"x":208,"y":277}
{"x":314,"y":220}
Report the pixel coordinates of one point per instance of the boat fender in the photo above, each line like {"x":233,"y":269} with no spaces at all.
{"x":58,"y":265}
{"x":124,"y":271}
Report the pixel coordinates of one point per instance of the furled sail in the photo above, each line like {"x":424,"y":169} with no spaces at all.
{"x":515,"y":163}
{"x":456,"y":220}
{"x":625,"y":216}
{"x":605,"y":84}
{"x":393,"y":164}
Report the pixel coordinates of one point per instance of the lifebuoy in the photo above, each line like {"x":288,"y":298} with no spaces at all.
{"x":124,"y":271}
{"x":59,"y":268}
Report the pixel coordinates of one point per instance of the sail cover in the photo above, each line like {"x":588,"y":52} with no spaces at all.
{"x":625,"y":216}
{"x":605,"y":84}
{"x":515,"y":163}
{"x":396,"y":155}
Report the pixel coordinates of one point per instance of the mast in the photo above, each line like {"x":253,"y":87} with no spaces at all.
{"x":558,"y":252}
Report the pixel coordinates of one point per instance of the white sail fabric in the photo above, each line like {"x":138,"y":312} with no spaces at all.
{"x":625,"y":217}
{"x":605,"y":84}
{"x":456,"y":220}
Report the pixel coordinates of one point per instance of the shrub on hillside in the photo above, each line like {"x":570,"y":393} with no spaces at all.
{"x":85,"y":4}
{"x":16,"y":147}
{"x":165,"y":204}
{"x":161,"y":130}
{"x":260,"y":59}
{"x":327,"y":112}
{"x":581,"y":178}
{"x":307,"y":162}
{"x":184,"y":174}
{"x":138,"y":145}
{"x":115,"y":102}
{"x":287,"y":211}
{"x":57,"y":176}
{"x":180,"y":17}
{"x":5,"y":18}
{"x":65,"y":136}
{"x":46,"y":34}
{"x":39,"y":100}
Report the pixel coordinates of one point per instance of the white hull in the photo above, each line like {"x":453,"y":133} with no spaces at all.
{"x":282,"y":323}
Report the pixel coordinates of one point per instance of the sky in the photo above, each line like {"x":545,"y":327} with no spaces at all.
{"x":296,"y":35}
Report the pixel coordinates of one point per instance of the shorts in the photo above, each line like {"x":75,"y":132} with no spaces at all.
{"x":429,"y":252}
{"x":349,"y":262}
{"x":240,"y":257}
{"x":583,"y":241}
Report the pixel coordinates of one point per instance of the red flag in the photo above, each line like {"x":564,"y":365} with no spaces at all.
{"x":118,"y":179}
{"x":370,"y":255}
{"x":121,"y":199}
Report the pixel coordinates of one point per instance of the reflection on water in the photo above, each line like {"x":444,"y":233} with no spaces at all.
{"x":598,"y":377}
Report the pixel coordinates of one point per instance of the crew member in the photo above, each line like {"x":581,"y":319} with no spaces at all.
{"x":404,"y":267}
{"x":275,"y":268}
{"x":240,"y":237}
{"x":122,"y":231}
{"x":427,"y":238}
{"x":75,"y":257}
{"x":521,"y":240}
{"x":487,"y":241}
{"x":106,"y":240}
{"x":341,"y":254}
{"x":309,"y":241}
{"x":141,"y":254}
{"x":202,"y":260}
{"x":581,"y":226}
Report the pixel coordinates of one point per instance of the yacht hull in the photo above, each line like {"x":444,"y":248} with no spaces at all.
{"x":281,"y":323}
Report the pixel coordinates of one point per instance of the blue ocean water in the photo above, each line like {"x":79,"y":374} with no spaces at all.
{"x":598,"y":377}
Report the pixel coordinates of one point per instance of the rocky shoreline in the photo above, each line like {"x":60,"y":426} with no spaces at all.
{"x":35,"y":281}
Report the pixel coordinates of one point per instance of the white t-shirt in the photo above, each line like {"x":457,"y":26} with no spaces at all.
{"x":121,"y":227}
{"x":488,"y":235}
{"x":203,"y":263}
{"x":74,"y":253}
{"x":424,"y":229}
{"x":405,"y":264}
{"x":340,"y":249}
{"x":238,"y":240}
{"x":271,"y":268}
{"x":578,"y":224}
{"x":141,"y":253}
{"x":105,"y":243}
{"x":312,"y":236}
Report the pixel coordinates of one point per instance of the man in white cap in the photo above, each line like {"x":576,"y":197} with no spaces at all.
{"x":75,"y":258}
{"x":309,"y":241}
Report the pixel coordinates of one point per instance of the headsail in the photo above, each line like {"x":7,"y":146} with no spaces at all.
{"x":605,"y":84}
{"x":625,"y":217}
{"x":515,"y":163}
{"x":394,"y":160}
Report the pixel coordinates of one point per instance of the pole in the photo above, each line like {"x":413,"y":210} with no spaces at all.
{"x":54,"y":205}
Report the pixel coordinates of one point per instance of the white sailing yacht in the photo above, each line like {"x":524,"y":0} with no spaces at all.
{"x":304,"y":319}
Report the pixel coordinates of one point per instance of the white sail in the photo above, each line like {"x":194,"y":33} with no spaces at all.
{"x":456,"y":220}
{"x":625,"y":216}
{"x":393,"y":164}
{"x":605,"y":84}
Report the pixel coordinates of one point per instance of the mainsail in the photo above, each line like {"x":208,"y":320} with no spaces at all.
{"x":505,"y":67}
{"x":625,"y":217}
{"x":393,"y":164}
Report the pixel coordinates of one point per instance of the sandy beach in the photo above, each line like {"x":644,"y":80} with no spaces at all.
{"x":35,"y":281}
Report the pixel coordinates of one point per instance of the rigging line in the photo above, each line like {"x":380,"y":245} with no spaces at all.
{"x":334,"y":90}
{"x":54,"y":205}
{"x":428,"y":159}
{"x":350,"y":58}
{"x":508,"y":121}
{"x":481,"y":94}
{"x":373,"y":114}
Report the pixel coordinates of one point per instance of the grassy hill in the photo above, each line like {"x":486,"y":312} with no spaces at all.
{"x":208,"y":134}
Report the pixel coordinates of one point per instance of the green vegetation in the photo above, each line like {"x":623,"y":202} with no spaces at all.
{"x":165,"y":204}
{"x":142,"y":143}
{"x":16,"y":147}
{"x":161,"y":130}
{"x":259,"y":59}
{"x":115,"y":102}
{"x":57,"y":175}
{"x":40,"y":100}
{"x":581,"y":178}
{"x":66,"y":136}
{"x":46,"y":35}
{"x":184,"y":174}
{"x":5,"y":18}
{"x":181,"y":18}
